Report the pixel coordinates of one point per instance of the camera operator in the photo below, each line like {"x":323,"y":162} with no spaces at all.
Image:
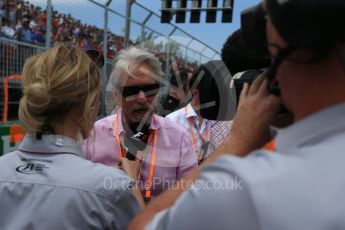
{"x":244,"y":62}
{"x":306,"y":40}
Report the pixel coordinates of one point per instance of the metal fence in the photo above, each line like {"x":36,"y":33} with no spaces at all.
{"x":13,"y":54}
{"x":107,"y":25}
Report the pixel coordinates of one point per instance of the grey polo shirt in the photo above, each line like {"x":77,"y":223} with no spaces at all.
{"x":301,"y":187}
{"x":46,"y":184}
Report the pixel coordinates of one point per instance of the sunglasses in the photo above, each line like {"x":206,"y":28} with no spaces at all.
{"x":133,"y":91}
{"x":96,"y":56}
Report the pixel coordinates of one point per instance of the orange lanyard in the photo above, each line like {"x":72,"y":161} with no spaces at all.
{"x":149,"y":181}
{"x":270,"y":146}
{"x":121,"y":150}
{"x":191,"y":125}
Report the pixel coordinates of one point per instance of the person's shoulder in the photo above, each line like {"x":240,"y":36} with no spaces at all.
{"x":8,"y":155}
{"x":105,"y":122}
{"x":71,"y":172}
{"x":100,"y":179}
{"x":258,"y":166}
{"x":7,"y":159}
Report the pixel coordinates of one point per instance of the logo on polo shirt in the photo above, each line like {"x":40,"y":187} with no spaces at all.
{"x":31,"y":168}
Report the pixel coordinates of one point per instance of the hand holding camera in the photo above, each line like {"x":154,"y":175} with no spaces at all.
{"x":256,"y":110}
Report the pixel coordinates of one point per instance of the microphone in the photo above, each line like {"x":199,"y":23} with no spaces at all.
{"x":136,"y":141}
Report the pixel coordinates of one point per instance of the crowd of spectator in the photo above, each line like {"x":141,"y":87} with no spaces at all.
{"x":26,"y":22}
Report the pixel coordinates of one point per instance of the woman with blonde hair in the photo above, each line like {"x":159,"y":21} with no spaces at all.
{"x":46,"y":183}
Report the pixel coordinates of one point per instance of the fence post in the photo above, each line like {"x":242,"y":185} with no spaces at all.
{"x":49,"y":23}
{"x":187,"y":48}
{"x":128,"y":21}
{"x":167,"y":57}
{"x":186,"y":53}
{"x":105,"y":52}
{"x":142,"y":45}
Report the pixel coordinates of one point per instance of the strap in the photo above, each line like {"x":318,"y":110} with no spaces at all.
{"x":270,"y":146}
{"x":121,"y":149}
{"x":149,"y":182}
{"x":191,"y":125}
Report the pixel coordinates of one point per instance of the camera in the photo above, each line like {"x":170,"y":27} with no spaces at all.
{"x":247,"y":76}
{"x":219,"y":92}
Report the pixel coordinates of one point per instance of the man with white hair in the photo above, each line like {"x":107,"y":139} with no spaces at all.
{"x":162,"y":150}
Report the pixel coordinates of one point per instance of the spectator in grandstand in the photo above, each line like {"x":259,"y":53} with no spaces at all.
{"x":38,"y":37}
{"x":2,"y":11}
{"x":34,"y":23}
{"x":12,"y":10}
{"x":169,"y":153}
{"x":277,"y":191}
{"x":25,"y":33}
{"x":18,"y":26}
{"x":46,"y":183}
{"x":6,"y":29}
{"x":189,"y":116}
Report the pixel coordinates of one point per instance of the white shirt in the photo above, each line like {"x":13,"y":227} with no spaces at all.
{"x":8,"y":31}
{"x":181,"y":117}
{"x":299,"y":187}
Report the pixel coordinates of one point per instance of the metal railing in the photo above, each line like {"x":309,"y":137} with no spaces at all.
{"x":13,"y":55}
{"x":107,"y":25}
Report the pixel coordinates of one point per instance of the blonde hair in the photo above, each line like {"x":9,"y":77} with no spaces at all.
{"x":54,"y":82}
{"x":134,"y":56}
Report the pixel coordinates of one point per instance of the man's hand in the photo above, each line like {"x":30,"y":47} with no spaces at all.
{"x":132,"y":170}
{"x":130,"y":167}
{"x":256,"y":110}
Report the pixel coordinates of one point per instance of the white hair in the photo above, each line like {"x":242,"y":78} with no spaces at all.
{"x":134,"y":56}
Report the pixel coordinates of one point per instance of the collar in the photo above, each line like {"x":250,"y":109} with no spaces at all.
{"x":119,"y":117}
{"x":155,"y":124}
{"x":323,"y":123}
{"x":190,"y":111}
{"x":50,"y":144}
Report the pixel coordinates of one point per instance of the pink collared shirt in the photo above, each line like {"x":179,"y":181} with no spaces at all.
{"x":175,"y":156}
